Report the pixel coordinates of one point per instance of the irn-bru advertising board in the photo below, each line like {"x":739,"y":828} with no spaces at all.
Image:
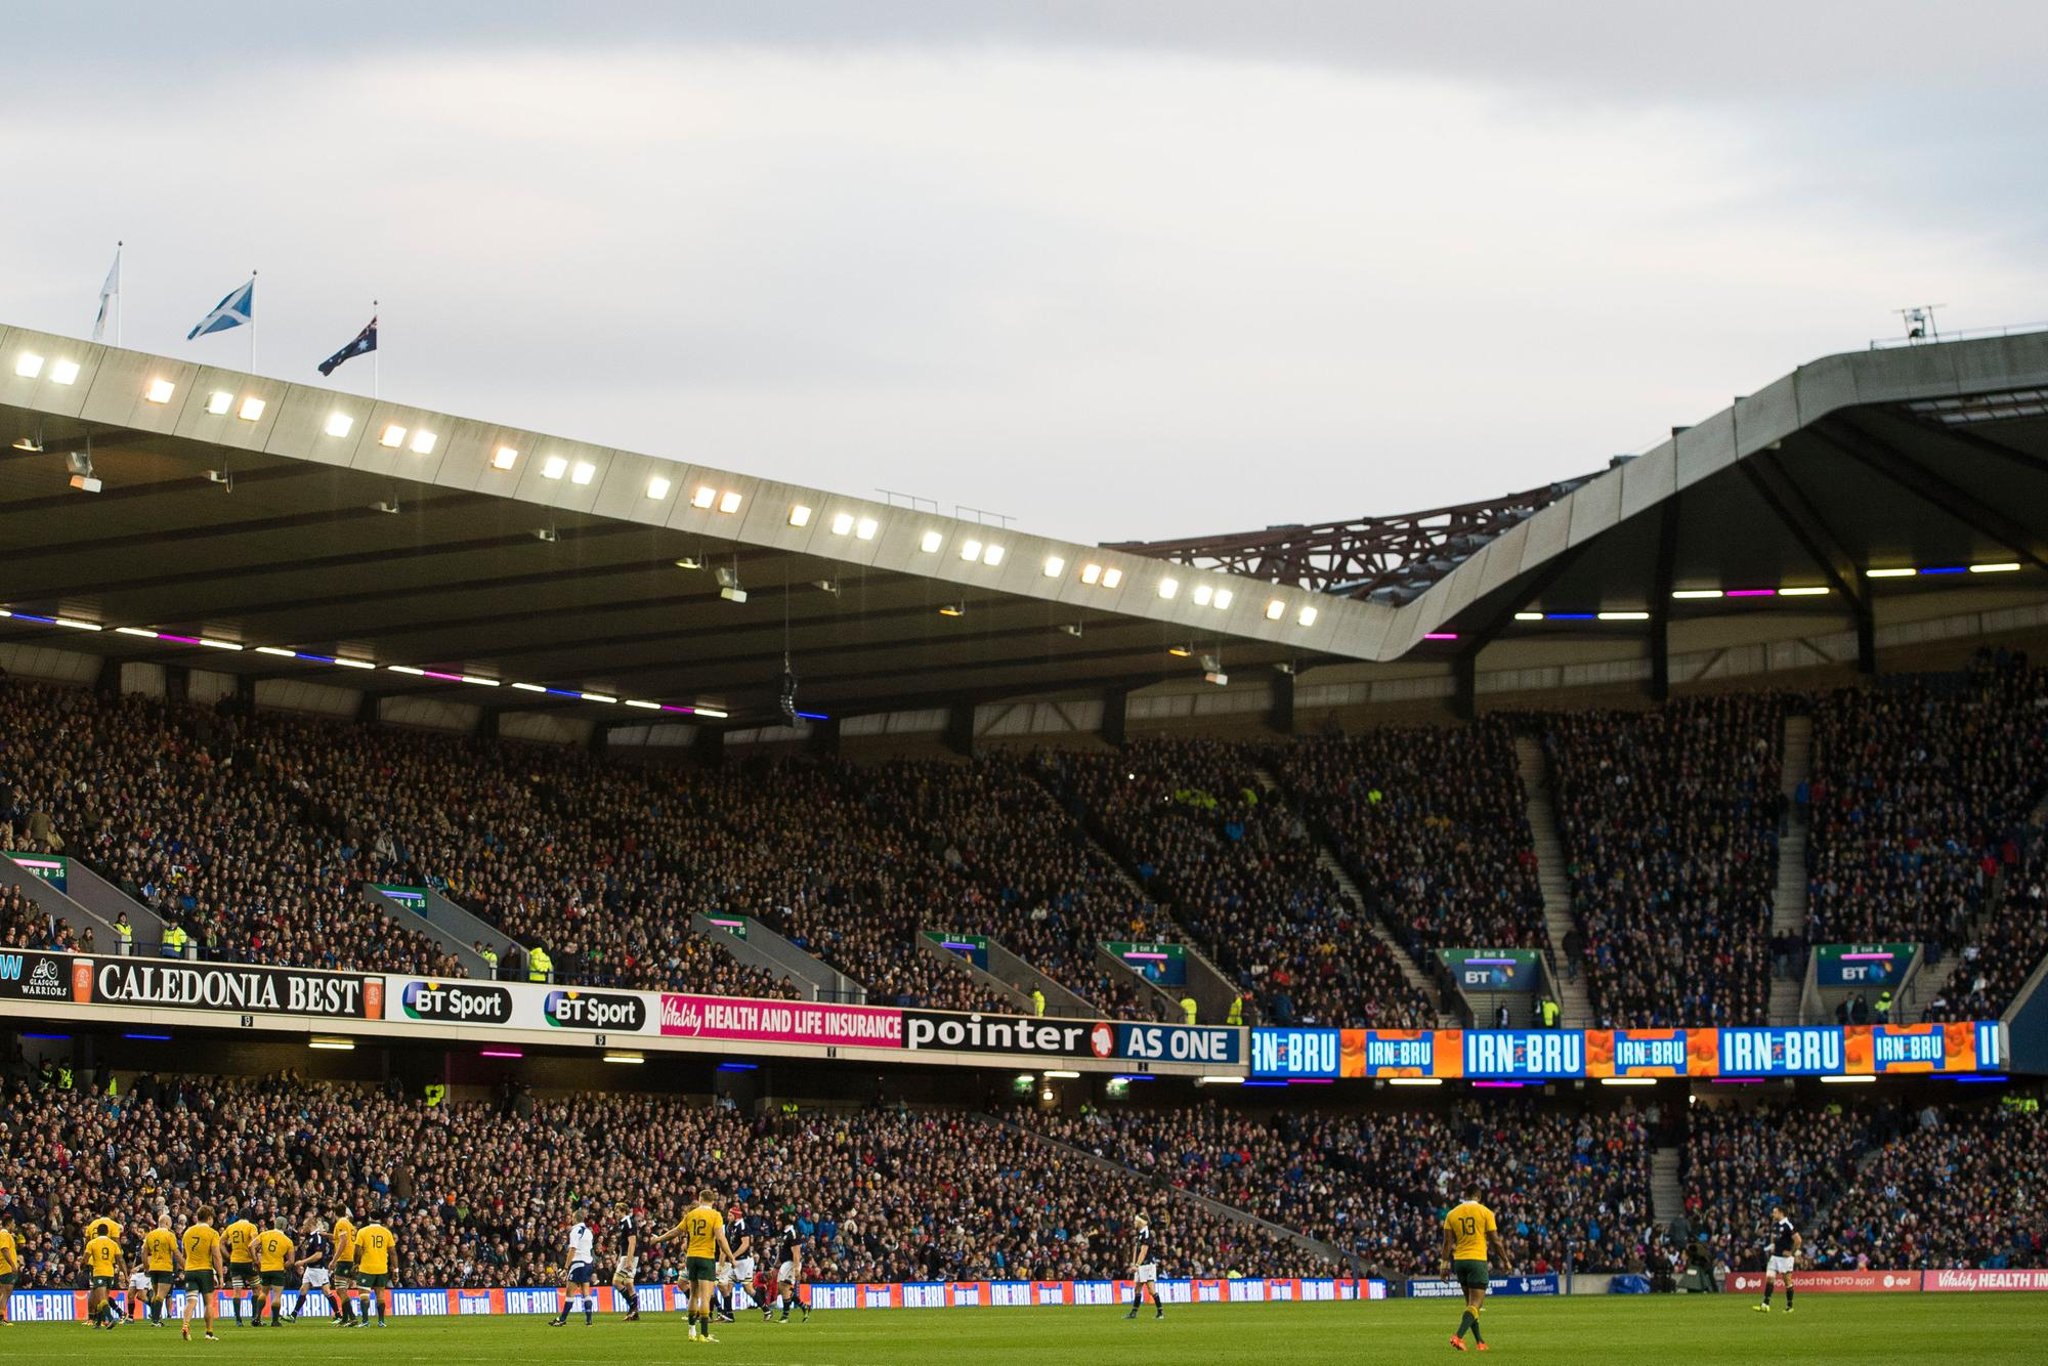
{"x":1572,"y":1054}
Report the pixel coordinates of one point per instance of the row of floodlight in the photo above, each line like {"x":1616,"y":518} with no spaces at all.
{"x":345,"y":662}
{"x":707,"y":497}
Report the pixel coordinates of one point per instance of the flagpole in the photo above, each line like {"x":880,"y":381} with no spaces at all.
{"x":376,"y":357}
{"x":119,"y":307}
{"x":252,"y":322}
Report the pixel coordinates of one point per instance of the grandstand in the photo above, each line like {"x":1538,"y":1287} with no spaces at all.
{"x":914,"y":854}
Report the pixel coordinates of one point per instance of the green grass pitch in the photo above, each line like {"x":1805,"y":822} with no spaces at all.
{"x":1664,"y":1331}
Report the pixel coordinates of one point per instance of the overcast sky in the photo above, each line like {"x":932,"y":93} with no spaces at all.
{"x":1119,"y":270}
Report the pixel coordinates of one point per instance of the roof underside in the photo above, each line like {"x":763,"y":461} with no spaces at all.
{"x":1933,"y":458}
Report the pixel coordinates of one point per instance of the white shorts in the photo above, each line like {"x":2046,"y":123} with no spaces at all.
{"x":743,"y":1270}
{"x":138,"y":1280}
{"x":1146,"y":1274}
{"x":316,"y":1278}
{"x":1778,"y":1266}
{"x":627,"y":1268}
{"x":786,"y":1274}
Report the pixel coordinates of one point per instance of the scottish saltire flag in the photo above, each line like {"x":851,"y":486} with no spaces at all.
{"x":363,"y":345}
{"x":109,"y":292}
{"x":238,"y":308}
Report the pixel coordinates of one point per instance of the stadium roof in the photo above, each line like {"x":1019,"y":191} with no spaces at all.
{"x":372,"y":531}
{"x":453,"y":553}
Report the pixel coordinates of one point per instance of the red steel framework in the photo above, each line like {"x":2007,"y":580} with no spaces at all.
{"x":1387,"y":559}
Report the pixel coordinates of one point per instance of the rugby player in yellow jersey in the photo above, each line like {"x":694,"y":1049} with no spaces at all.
{"x":344,"y":1229}
{"x":203,"y":1272}
{"x":704,"y":1226}
{"x":1470,"y":1233}
{"x":377,"y":1263}
{"x":160,"y":1260}
{"x":240,"y":1237}
{"x":273,"y":1258}
{"x":10,"y":1264}
{"x":103,"y":1263}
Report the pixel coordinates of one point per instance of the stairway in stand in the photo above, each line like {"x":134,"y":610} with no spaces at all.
{"x":1788,"y":901}
{"x":1667,"y":1192}
{"x":1550,"y":874}
{"x":1410,"y":970}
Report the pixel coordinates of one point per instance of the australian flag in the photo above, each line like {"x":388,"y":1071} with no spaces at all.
{"x":363,"y":345}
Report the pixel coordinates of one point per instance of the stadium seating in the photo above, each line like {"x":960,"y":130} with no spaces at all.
{"x":1740,"y":1161}
{"x":1032,"y":880}
{"x":1240,"y":871}
{"x":1669,"y":820}
{"x":1431,"y":822}
{"x":1921,"y":790}
{"x":173,"y":804}
{"x":1570,"y":1189}
{"x":480,"y":1191}
{"x":255,"y":831}
{"x":27,"y":925}
{"x":1989,"y":974}
{"x":1954,"y":1187}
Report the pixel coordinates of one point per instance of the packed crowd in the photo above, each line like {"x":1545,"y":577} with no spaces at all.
{"x":24,"y":924}
{"x":1738,"y":1162}
{"x":1432,"y":824}
{"x":1240,"y":871}
{"x":254,"y":833}
{"x":1570,"y":1190}
{"x":482,"y":1192}
{"x":1920,"y":797}
{"x":1030,"y":877}
{"x":1987,"y":975}
{"x":1920,"y":801}
{"x":171,"y":804}
{"x":1669,"y":821}
{"x":1954,"y":1188}
{"x":801,"y":853}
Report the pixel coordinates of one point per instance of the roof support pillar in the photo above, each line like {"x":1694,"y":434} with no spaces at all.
{"x":1116,"y":715}
{"x":366,"y":708}
{"x":1881,"y":457}
{"x":600,"y":741}
{"x":487,"y":723}
{"x":1465,"y":665}
{"x":1866,"y":638}
{"x":109,"y":684}
{"x":709,"y":746}
{"x":825,"y":738}
{"x":1796,"y":512}
{"x":177,"y":684}
{"x":1280,"y":715}
{"x":960,"y":728}
{"x":1660,"y":599}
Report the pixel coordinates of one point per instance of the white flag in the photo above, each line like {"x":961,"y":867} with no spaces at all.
{"x":109,"y":292}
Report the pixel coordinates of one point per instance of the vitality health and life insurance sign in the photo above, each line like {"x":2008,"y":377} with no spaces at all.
{"x":740,"y":1020}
